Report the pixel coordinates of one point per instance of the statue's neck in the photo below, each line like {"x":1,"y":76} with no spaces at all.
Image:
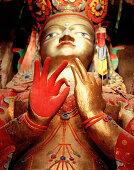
{"x":67,"y":73}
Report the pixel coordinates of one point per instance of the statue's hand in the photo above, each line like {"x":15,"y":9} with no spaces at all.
{"x":87,"y":92}
{"x":45,"y":99}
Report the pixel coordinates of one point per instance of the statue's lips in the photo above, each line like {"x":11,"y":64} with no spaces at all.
{"x":66,"y":43}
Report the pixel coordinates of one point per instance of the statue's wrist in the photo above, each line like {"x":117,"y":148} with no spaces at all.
{"x":89,"y":114}
{"x":96,"y":118}
{"x":34,"y":124}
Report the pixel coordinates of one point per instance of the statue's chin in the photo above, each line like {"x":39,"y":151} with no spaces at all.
{"x":67,"y":50}
{"x":57,"y":60}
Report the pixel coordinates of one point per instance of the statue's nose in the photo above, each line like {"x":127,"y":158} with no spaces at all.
{"x":66,"y":36}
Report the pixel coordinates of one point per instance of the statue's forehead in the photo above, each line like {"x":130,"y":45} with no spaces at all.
{"x":68,"y":21}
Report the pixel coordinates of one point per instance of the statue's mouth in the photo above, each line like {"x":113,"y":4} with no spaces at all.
{"x":66,"y":43}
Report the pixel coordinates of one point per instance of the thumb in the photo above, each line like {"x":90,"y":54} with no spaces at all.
{"x":99,"y":83}
{"x":63,"y":95}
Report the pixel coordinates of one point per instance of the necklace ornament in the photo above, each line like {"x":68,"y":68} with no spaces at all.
{"x":65,"y":116}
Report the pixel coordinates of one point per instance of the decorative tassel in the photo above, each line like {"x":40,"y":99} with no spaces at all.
{"x":101,"y":51}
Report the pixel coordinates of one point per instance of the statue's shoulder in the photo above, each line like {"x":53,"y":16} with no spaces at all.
{"x":14,"y":99}
{"x":12,"y":103}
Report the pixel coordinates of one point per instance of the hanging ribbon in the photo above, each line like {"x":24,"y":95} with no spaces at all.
{"x":101,"y":51}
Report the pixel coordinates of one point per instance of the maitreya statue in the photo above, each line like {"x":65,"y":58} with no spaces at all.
{"x":63,"y":117}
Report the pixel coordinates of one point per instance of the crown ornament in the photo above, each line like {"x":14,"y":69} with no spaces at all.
{"x":95,"y":10}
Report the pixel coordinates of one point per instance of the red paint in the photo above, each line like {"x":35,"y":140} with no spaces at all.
{"x":66,"y":43}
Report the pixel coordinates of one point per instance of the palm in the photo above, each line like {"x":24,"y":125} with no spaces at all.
{"x":45,"y":97}
{"x":87,"y":92}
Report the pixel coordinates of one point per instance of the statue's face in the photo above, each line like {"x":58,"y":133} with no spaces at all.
{"x":66,"y":37}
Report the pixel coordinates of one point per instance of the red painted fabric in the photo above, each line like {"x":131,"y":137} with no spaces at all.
{"x":7,"y":147}
{"x":6,"y":156}
{"x":130,"y":127}
{"x":100,"y":39}
{"x":5,"y":139}
{"x":124,"y":150}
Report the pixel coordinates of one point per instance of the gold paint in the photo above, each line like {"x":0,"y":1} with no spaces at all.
{"x":132,"y":127}
{"x":117,"y":152}
{"x":124,"y":142}
{"x":9,"y":112}
{"x":127,"y":154}
{"x":11,"y":108}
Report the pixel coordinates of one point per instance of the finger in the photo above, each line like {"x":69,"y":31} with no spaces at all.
{"x":91,"y":78}
{"x":33,"y":38}
{"x":60,"y":83}
{"x":54,"y":76}
{"x":76,"y":75}
{"x":36,"y":72}
{"x":81,"y":69}
{"x":45,"y":69}
{"x":99,"y":83}
{"x":62,"y":96}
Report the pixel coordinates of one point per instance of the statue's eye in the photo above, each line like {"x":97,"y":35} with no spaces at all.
{"x":51,"y":35}
{"x":85,"y":35}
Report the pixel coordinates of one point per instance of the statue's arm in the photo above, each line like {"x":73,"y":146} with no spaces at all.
{"x":100,"y":127}
{"x":45,"y":101}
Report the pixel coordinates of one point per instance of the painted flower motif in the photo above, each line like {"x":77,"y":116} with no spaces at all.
{"x":73,"y":5}
{"x":39,"y":9}
{"x":96,"y":10}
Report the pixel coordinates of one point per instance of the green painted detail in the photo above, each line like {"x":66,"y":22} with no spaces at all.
{"x":24,"y":160}
{"x":13,"y":120}
{"x":56,"y":161}
{"x":67,"y":161}
{"x":7,"y":99}
{"x":113,"y":78}
{"x":115,"y":103}
{"x":50,"y":152}
{"x":105,"y":80}
{"x":18,"y":99}
{"x":125,"y":104}
{"x":21,"y":53}
{"x":1,"y":107}
{"x":113,"y":122}
{"x":114,"y":50}
{"x":75,"y":153}
{"x":115,"y":63}
{"x":82,"y":7}
{"x":131,"y":109}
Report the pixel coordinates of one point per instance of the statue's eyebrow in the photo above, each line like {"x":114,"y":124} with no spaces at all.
{"x":82,"y":25}
{"x":69,"y":26}
{"x":55,"y":25}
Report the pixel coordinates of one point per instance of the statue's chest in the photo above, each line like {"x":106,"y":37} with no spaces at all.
{"x":65,"y":146}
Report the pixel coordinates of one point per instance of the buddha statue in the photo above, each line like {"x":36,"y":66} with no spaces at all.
{"x":67,"y":120}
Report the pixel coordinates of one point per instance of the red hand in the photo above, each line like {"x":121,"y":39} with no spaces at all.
{"x":45,"y":97}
